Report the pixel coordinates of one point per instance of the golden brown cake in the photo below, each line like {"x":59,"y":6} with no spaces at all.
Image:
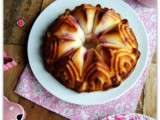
{"x":90,"y":49}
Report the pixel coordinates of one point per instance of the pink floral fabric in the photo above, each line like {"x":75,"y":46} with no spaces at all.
{"x":29,"y":87}
{"x":129,"y":116}
{"x":8,"y":62}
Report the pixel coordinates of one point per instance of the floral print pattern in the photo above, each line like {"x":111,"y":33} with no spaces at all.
{"x":129,"y":116}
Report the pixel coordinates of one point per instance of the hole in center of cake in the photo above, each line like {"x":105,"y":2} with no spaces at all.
{"x":90,"y":44}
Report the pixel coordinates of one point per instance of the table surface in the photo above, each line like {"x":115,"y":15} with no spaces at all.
{"x":15,"y":40}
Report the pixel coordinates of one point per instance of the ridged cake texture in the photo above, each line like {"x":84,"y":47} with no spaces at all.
{"x":90,"y":49}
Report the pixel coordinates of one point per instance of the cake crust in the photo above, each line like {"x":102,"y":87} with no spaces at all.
{"x":90,"y":49}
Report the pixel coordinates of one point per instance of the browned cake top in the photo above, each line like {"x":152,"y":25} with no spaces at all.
{"x":90,"y":49}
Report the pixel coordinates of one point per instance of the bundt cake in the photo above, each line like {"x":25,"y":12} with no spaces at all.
{"x":90,"y":49}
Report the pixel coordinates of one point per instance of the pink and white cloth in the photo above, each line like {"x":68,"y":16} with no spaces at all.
{"x":8,"y":62}
{"x":129,"y":116}
{"x":29,"y":88}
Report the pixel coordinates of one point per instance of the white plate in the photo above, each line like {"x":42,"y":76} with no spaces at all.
{"x":57,"y":89}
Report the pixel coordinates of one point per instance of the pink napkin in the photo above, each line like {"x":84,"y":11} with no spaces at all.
{"x":29,"y":87}
{"x":129,"y":116}
{"x":8,"y":62}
